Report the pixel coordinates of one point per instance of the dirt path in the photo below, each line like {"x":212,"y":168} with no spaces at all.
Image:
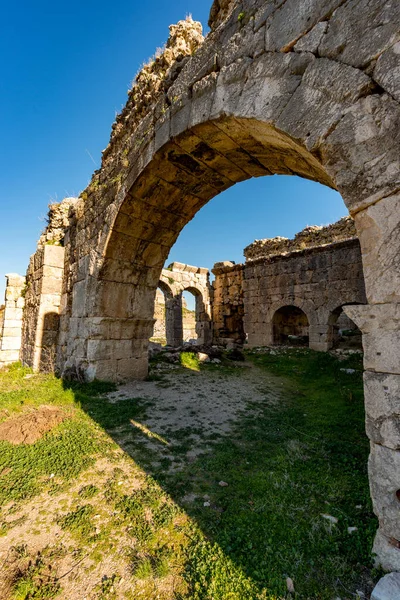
{"x":196,"y":407}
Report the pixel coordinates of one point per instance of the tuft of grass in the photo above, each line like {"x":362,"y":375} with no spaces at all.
{"x":189,"y":360}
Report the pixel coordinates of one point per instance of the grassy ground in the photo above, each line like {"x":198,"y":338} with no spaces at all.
{"x":81,"y":517}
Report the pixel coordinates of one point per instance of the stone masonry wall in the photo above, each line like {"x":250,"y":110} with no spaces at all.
{"x":43,"y":295}
{"x":317,"y":280}
{"x":44,"y":280}
{"x":228,"y":303}
{"x":310,"y":237}
{"x":11,"y":330}
{"x":174,"y":280}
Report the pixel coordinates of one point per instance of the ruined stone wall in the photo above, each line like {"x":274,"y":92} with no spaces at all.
{"x":174,"y":280}
{"x":188,"y":319}
{"x":316,"y":280}
{"x":305,"y":87}
{"x":44,"y":281}
{"x":11,"y":328}
{"x":42,"y":307}
{"x":228,"y":303}
{"x":310,"y":237}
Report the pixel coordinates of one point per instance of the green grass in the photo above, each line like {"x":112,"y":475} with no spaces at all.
{"x":286,"y":464}
{"x":190,"y":360}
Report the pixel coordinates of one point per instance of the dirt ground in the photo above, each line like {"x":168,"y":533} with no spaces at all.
{"x":30,"y":426}
{"x":198,"y":406}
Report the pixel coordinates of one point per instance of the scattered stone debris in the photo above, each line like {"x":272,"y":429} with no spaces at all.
{"x":387,"y":588}
{"x":290,"y":585}
{"x":223,"y":484}
{"x":330,"y":518}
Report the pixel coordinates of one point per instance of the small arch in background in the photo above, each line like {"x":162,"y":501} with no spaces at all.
{"x":290,"y":327}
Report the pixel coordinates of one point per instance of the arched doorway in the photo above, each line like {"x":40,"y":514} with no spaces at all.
{"x":290,"y":327}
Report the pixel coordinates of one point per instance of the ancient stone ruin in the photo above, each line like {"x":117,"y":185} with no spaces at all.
{"x":300,"y":87}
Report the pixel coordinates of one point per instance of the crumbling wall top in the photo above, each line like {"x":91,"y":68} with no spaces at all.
{"x":219,"y":11}
{"x":57,"y":222}
{"x":310,"y":237}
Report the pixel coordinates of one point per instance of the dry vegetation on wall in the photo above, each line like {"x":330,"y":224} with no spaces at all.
{"x":155,"y":78}
{"x":57,"y":222}
{"x":310,"y":237}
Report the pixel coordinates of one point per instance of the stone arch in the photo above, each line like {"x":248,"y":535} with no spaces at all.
{"x":244,"y":105}
{"x":289,"y":322}
{"x":173,"y":309}
{"x":202,"y":310}
{"x":306,"y":306}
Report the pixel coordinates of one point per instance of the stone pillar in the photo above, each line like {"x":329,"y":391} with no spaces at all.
{"x":378,"y":227}
{"x":11,"y":333}
{"x":42,"y":312}
{"x":319,"y":337}
{"x":173,"y":320}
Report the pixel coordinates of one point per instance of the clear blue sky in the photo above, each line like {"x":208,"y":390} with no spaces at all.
{"x":66,"y":68}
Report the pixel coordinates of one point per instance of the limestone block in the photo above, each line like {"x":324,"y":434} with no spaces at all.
{"x":384,"y":478}
{"x":54,"y":256}
{"x":382,"y":406}
{"x":362,"y":154}
{"x":378,"y":227}
{"x":359,"y":31}
{"x":11,"y":343}
{"x":271,"y":81}
{"x":387,"y":588}
{"x":13,"y":314}
{"x":202,"y":99}
{"x":11,"y":331}
{"x":132,"y":368}
{"x":286,"y":25}
{"x":9,"y":356}
{"x":79,"y":299}
{"x":328,"y":87}
{"x":388,"y":554}
{"x":108,"y":349}
{"x":51,"y":285}
{"x":387,"y":71}
{"x":20,"y":303}
{"x":311,"y":40}
{"x":105,"y":370}
{"x":380,"y":326}
{"x":14,"y":323}
{"x":230,"y":82}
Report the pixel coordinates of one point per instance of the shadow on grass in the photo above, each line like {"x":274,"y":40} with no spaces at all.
{"x":296,"y":475}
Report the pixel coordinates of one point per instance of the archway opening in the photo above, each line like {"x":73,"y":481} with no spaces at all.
{"x":159,"y":335}
{"x":290,"y":327}
{"x":190,"y":316}
{"x":343,"y":333}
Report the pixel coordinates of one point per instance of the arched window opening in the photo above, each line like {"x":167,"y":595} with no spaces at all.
{"x":290,"y":327}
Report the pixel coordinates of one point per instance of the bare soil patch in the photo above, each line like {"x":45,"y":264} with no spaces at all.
{"x":31,"y":426}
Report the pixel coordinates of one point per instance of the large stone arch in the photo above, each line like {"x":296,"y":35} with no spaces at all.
{"x":273,"y":89}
